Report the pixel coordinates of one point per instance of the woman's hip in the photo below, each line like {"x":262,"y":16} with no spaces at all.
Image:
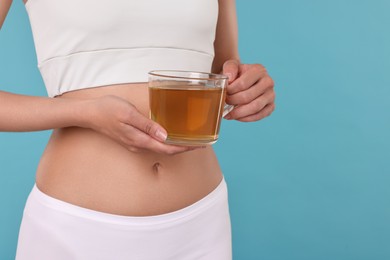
{"x":54,"y":229}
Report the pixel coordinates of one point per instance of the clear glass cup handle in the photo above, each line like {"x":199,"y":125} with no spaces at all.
{"x":226,"y":109}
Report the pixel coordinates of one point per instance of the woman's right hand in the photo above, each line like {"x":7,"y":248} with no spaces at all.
{"x":120,"y":120}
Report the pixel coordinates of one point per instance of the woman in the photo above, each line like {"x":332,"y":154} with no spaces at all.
{"x":107,"y":186}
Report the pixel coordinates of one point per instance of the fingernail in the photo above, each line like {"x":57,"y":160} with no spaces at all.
{"x":228,"y":116}
{"x":230,"y":76}
{"x":161,"y":135}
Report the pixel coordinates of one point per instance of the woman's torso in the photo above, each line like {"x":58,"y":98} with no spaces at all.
{"x":88,"y":169}
{"x":91,"y":170}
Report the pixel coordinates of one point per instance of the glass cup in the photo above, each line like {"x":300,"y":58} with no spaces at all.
{"x":189,"y":105}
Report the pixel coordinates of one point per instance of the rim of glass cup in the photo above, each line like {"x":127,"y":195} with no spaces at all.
{"x":160,"y":73}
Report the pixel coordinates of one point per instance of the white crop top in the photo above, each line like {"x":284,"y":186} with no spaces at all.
{"x":88,"y":43}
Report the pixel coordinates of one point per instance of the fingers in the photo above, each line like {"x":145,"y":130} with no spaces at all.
{"x":171,"y":149}
{"x":266,"y":111}
{"x":121,"y":121}
{"x":136,"y":140}
{"x":253,"y":107}
{"x":231,"y":69}
{"x":250,"y":74}
{"x":146,"y":125}
{"x":145,"y":134}
{"x":149,"y":143}
{"x":139,"y":133}
{"x":247,"y":96}
{"x":252,"y":94}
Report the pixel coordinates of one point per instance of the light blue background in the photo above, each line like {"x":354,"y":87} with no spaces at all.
{"x":311,"y":181}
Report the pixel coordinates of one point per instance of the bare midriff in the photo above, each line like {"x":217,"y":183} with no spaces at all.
{"x":88,"y":169}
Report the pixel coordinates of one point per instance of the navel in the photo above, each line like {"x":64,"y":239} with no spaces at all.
{"x":157,"y":167}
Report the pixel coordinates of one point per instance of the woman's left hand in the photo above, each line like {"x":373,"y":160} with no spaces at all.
{"x":250,"y":90}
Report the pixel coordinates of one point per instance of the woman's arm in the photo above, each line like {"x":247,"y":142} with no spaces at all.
{"x":250,"y":89}
{"x":4,"y":8}
{"x":226,"y":39}
{"x":21,"y":113}
{"x":109,"y":115}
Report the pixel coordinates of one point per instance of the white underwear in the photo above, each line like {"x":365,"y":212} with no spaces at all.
{"x":52,"y":229}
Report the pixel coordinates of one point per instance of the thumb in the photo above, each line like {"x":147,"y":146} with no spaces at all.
{"x":149,"y":127}
{"x":230,"y":69}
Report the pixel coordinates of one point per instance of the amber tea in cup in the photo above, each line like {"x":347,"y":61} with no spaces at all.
{"x":189,"y":105}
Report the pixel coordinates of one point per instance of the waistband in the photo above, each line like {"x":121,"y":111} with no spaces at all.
{"x":217,"y":195}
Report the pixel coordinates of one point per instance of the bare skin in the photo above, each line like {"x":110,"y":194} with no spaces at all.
{"x":89,"y":169}
{"x":104,"y":153}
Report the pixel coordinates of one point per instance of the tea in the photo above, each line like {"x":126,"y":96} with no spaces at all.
{"x":190,"y":114}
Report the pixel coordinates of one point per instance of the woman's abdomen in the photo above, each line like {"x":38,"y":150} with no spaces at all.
{"x":91,"y":170}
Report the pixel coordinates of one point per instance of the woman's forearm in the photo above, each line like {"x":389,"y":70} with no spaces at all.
{"x":226,"y":38}
{"x":4,"y":8}
{"x":21,"y":113}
